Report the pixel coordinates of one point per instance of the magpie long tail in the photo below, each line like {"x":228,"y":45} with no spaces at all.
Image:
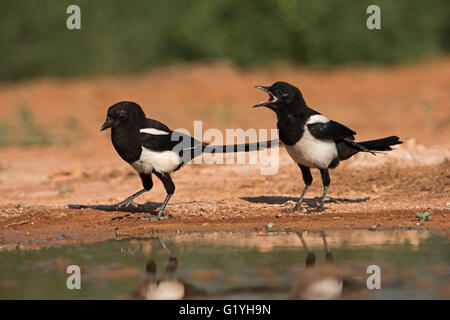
{"x":348,"y":147}
{"x":383,"y":144}
{"x":191,"y":152}
{"x":247,"y":147}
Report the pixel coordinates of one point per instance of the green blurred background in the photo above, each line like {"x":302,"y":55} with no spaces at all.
{"x":119,"y":36}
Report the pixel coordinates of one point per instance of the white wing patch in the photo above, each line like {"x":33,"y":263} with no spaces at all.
{"x":317,"y":118}
{"x":154,"y":131}
{"x":312,"y":152}
{"x":160,"y":161}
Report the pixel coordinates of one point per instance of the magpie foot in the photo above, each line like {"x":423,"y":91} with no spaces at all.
{"x":127,"y":203}
{"x":156,"y":218}
{"x":292,"y":210}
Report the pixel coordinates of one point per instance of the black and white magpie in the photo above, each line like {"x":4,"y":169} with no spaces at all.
{"x":150,"y":147}
{"x":311,"y":139}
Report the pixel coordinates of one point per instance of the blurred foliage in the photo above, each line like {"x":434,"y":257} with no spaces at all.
{"x":120,"y":36}
{"x":4,"y":133}
{"x":32,"y":133}
{"x":27,"y":131}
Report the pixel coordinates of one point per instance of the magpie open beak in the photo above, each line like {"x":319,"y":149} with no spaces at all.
{"x":106,"y":125}
{"x":269,"y":103}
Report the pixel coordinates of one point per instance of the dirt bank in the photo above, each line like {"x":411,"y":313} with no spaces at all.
{"x":413,"y":102}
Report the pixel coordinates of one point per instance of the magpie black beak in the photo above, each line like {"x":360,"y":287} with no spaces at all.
{"x":106,"y":125}
{"x":269,"y":103}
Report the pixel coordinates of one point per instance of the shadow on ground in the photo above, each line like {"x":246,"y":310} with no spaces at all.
{"x":310,"y":202}
{"x":149,"y":207}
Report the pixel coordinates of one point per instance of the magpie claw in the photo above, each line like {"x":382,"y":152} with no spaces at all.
{"x":127,"y":203}
{"x":292,"y":210}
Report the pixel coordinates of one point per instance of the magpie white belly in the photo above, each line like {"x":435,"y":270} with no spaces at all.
{"x":312,"y":152}
{"x":160,"y":161}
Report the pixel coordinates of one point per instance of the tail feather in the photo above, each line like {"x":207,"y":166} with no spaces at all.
{"x":348,"y":148}
{"x":196,"y":148}
{"x":255,"y":146}
{"x":381,"y":144}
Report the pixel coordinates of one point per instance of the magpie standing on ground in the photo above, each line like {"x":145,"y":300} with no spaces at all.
{"x":150,"y":147}
{"x":311,"y":139}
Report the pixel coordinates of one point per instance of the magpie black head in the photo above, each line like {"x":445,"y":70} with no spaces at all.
{"x":281,"y":94}
{"x":123,"y":114}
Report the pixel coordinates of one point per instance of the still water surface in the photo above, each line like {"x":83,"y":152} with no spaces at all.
{"x":240,"y":265}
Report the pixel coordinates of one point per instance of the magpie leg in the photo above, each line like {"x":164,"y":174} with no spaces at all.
{"x":172,"y":264}
{"x":160,"y":215}
{"x":329,"y":258}
{"x":307,"y":178}
{"x":150,"y":272}
{"x":166,"y":248}
{"x":128,"y":202}
{"x":147,"y":182}
{"x":326,"y":183}
{"x":170,"y":189}
{"x":171,"y":268}
{"x":311,"y":256}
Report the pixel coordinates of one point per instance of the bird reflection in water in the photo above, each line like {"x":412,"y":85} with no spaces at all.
{"x":167,"y":286}
{"x":322,"y":287}
{"x":315,"y":282}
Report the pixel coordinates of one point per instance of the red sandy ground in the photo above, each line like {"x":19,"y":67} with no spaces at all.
{"x":410,"y":101}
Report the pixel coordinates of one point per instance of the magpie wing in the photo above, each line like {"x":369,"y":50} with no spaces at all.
{"x":155,"y":124}
{"x":330,"y":130}
{"x":157,"y":142}
{"x":182,"y":144}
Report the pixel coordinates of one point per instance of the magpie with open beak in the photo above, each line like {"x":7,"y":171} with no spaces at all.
{"x":150,"y":147}
{"x":311,"y":139}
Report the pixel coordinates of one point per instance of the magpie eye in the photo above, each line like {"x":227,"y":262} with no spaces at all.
{"x":122,"y":114}
{"x":281,"y":94}
{"x":284,"y":97}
